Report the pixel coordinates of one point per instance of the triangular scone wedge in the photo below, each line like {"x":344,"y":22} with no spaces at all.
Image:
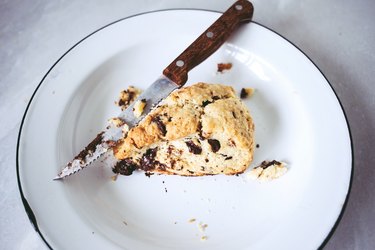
{"x":203,"y":129}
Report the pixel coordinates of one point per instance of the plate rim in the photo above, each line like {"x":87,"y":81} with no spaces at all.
{"x":26,"y":205}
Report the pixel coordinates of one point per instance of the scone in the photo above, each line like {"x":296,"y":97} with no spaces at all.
{"x":203,"y":129}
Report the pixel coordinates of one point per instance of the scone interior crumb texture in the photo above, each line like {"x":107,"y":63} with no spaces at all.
{"x":268,"y":170}
{"x":203,"y":129}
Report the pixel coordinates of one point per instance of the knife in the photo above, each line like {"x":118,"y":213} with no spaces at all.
{"x":174,"y":76}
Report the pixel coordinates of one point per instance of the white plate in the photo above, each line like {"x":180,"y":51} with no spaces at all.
{"x":297,"y":116}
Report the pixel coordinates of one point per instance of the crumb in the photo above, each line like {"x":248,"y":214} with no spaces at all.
{"x":125,"y":223}
{"x":92,"y":232}
{"x":148,"y":174}
{"x":114,"y":178}
{"x":53,"y":92}
{"x":223,"y":66}
{"x":246,"y":92}
{"x":202,"y":227}
{"x":166,"y":190}
{"x":268,"y":170}
{"x":175,"y":222}
{"x":257,"y":146}
{"x":125,"y":130}
{"x":204,"y":238}
{"x":127,"y":96}
{"x":116,"y":121}
{"x":192,"y":220}
{"x":138,"y":108}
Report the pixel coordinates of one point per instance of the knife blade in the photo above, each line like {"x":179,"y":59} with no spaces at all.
{"x":174,"y":76}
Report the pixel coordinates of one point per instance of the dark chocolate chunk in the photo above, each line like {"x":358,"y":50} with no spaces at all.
{"x":193,"y":148}
{"x":125,"y":167}
{"x":148,"y":162}
{"x":148,"y":159}
{"x":200,"y":132}
{"x":205,"y":103}
{"x":266,"y":164}
{"x":160,"y":125}
{"x":215,"y":97}
{"x":215,"y":145}
{"x":121,"y":102}
{"x":148,"y":174}
{"x":234,"y":115}
{"x":243,"y":94}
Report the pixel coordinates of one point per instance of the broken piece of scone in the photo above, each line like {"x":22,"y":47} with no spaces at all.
{"x":268,"y":170}
{"x":203,"y":129}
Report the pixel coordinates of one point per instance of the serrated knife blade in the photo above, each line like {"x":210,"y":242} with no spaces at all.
{"x":174,"y":77}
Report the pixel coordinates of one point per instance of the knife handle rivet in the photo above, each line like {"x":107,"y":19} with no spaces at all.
{"x":180,"y":63}
{"x":209,"y":34}
{"x":238,"y":7}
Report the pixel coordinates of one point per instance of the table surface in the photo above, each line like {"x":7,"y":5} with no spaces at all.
{"x":339,"y":36}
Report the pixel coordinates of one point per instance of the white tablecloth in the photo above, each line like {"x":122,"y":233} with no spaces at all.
{"x":339,"y":36}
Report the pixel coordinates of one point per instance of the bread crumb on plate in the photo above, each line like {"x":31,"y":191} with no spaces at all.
{"x":268,"y":170}
{"x":246,"y":92}
{"x":221,"y":67}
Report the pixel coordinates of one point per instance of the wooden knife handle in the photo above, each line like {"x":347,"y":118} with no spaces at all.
{"x":209,"y":41}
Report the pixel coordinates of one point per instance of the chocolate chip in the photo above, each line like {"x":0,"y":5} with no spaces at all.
{"x":205,"y":103}
{"x":148,"y":159}
{"x":215,"y":145}
{"x":193,"y":148}
{"x":160,"y":125}
{"x":266,"y":164}
{"x":200,"y":132}
{"x":125,"y":167}
{"x":121,"y":102}
{"x":148,"y":174}
{"x":243,"y":94}
{"x":191,"y":172}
